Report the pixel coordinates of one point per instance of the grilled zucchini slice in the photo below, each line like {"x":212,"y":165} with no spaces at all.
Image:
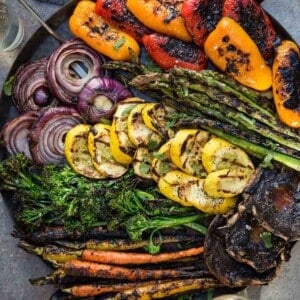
{"x":186,"y":151}
{"x":188,"y":190}
{"x":99,"y":148}
{"x":77,"y":153}
{"x":121,"y":147}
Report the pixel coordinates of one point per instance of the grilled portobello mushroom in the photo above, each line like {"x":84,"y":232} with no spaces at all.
{"x":225,"y":268}
{"x":273,"y":198}
{"x":245,"y":242}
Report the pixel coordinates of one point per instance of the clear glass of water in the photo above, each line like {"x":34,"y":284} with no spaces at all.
{"x":11,"y":27}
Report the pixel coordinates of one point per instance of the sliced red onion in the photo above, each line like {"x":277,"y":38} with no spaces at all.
{"x":98,"y":98}
{"x":15,"y":133}
{"x":65,"y":83}
{"x":30,"y":89}
{"x":46,"y":139}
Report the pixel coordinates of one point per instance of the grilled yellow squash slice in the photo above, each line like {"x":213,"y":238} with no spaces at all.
{"x":122,"y":149}
{"x":188,"y":190}
{"x":226,"y":182}
{"x":161,"y":162}
{"x":229,"y":168}
{"x":99,"y":148}
{"x":186,"y":150}
{"x":156,"y":117}
{"x":139,"y":134}
{"x":219,"y":154}
{"x":142,"y":162}
{"x":77,"y":153}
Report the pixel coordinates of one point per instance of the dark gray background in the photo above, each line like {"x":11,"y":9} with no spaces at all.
{"x":16,"y":267}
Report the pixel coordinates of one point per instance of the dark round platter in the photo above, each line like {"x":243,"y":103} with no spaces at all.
{"x":20,"y":266}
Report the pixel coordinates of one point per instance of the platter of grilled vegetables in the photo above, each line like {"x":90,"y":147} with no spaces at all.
{"x":155,"y":154}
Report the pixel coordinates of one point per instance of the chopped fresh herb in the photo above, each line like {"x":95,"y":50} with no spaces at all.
{"x":153,"y":145}
{"x":7,"y":87}
{"x":119,"y":43}
{"x":267,"y":239}
{"x":144,"y":168}
{"x":157,"y":155}
{"x":127,"y":110}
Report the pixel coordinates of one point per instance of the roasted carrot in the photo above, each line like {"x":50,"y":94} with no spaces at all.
{"x":94,"y":289}
{"x":161,"y":290}
{"x":125,"y":258}
{"x":96,"y":270}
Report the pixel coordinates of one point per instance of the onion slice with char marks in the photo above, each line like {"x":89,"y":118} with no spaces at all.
{"x":15,"y":132}
{"x":65,"y":83}
{"x":46,"y":139}
{"x":30,"y":91}
{"x":99,"y":97}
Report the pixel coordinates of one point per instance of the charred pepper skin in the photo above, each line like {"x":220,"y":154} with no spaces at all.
{"x":169,"y":52}
{"x":286,"y":83}
{"x":201,"y":17}
{"x":117,"y":14}
{"x":251,"y":16}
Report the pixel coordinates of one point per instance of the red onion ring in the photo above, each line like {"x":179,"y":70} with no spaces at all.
{"x":63,"y":81}
{"x":30,"y":89}
{"x":15,"y":133}
{"x":98,"y":98}
{"x":46,"y":139}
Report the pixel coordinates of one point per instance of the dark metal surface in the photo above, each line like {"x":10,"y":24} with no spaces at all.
{"x":16,"y":266}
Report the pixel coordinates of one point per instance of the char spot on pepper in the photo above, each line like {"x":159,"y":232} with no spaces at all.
{"x":231,"y":48}
{"x":95,"y":29}
{"x":181,"y":50}
{"x":225,"y":39}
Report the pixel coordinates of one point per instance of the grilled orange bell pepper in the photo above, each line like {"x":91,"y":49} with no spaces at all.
{"x":233,"y":51}
{"x":100,"y":35}
{"x":162,"y":18}
{"x":286,"y":83}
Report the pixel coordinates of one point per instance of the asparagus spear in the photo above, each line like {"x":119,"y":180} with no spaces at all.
{"x":229,"y":86}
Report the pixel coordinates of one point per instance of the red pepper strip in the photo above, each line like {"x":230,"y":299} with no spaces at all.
{"x":201,"y":17}
{"x":169,"y":52}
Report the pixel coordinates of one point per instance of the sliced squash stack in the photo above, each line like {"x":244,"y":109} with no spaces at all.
{"x":190,"y":166}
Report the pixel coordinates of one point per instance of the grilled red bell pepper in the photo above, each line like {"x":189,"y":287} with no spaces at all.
{"x":116,"y":13}
{"x":252,"y":17}
{"x":201,"y":17}
{"x":169,"y":52}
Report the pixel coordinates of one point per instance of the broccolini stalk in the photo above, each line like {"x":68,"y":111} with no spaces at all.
{"x":137,"y":225}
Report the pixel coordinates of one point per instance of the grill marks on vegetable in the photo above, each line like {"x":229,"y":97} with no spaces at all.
{"x":238,"y":59}
{"x":181,"y":50}
{"x":102,"y":29}
{"x":118,"y":14}
{"x":172,"y":7}
{"x":290,"y":74}
{"x":201,"y":17}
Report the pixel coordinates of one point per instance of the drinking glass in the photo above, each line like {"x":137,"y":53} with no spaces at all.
{"x":11,"y":27}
